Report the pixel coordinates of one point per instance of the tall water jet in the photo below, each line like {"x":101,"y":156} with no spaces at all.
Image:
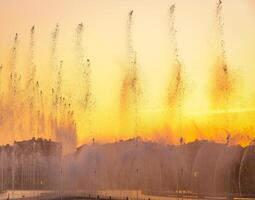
{"x":53,"y":53}
{"x":129,"y":97}
{"x":32,"y":87}
{"x":83,"y":67}
{"x":222,"y":80}
{"x":11,"y":70}
{"x":59,"y":85}
{"x":126,"y":82}
{"x":62,"y":119}
{"x":79,"y":50}
{"x":222,"y":87}
{"x":87,"y":98}
{"x":13,"y":56}
{"x":31,"y":67}
{"x":30,"y":83}
{"x":12,"y":84}
{"x":176,"y":89}
{"x":134,"y":87}
{"x":130,"y":91}
{"x":88,"y":102}
{"x":57,"y":96}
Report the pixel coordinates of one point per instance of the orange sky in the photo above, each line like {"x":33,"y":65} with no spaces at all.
{"x":104,"y":43}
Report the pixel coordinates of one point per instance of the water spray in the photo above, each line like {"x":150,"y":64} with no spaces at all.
{"x":54,"y":42}
{"x":31,"y":66}
{"x":11,"y":71}
{"x":59,"y":84}
{"x":78,"y":45}
{"x":222,"y":77}
{"x":14,"y":53}
{"x":176,"y":86}
{"x":133,"y":84}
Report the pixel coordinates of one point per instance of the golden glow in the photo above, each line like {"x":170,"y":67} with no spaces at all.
{"x":104,"y":43}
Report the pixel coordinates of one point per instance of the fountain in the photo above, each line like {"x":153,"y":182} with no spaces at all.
{"x":29,"y":109}
{"x":175,"y":93}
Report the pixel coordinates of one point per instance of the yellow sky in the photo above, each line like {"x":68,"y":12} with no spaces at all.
{"x":104,"y":42}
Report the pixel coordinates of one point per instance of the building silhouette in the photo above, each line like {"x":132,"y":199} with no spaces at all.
{"x":30,"y":165}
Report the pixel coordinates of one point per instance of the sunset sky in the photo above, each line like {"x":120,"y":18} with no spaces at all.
{"x":105,"y":44}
